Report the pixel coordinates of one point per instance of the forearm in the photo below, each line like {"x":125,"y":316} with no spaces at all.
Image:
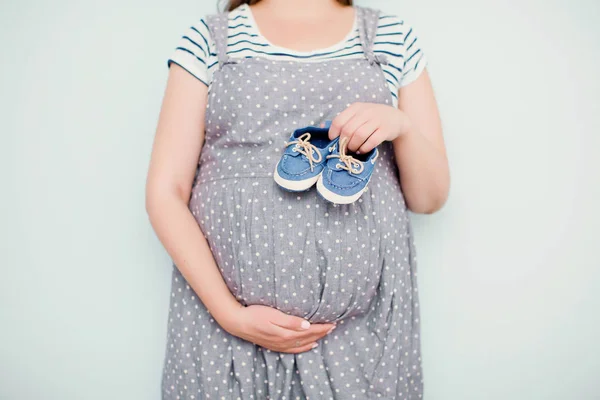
{"x":424,"y":172}
{"x":181,"y":236}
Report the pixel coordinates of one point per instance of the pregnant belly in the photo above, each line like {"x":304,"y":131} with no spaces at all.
{"x":292,"y":251}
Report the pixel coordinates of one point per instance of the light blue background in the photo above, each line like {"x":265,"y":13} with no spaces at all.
{"x":509,"y":270}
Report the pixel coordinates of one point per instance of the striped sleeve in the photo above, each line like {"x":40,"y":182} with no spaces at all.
{"x":415,"y":59}
{"x":397,"y":40}
{"x":194,"y":50}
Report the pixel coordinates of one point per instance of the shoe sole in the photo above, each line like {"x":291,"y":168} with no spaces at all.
{"x":294,"y":186}
{"x":334,"y":197}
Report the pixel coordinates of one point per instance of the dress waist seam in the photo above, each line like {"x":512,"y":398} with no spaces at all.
{"x":229,"y":177}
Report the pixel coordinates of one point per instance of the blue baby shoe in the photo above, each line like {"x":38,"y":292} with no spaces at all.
{"x":345,"y":177}
{"x":303,"y":158}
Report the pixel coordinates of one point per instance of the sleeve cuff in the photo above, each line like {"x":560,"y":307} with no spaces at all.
{"x":414,"y":74}
{"x":192,"y":65}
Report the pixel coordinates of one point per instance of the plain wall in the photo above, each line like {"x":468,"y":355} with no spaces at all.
{"x":509,"y":273}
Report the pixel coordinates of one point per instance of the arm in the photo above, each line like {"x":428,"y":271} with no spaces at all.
{"x":420,"y":150}
{"x":414,"y":128}
{"x":177,"y":144}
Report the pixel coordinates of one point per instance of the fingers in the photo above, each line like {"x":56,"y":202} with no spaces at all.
{"x":315,"y":331}
{"x":290,"y":322}
{"x":357,"y":123}
{"x":286,"y":340}
{"x":351,"y":127}
{"x":372,"y":141}
{"x":301,"y":349}
{"x":285,"y":324}
{"x":273,"y":329}
{"x":341,"y":119}
{"x":288,"y":337}
{"x":361,"y":135}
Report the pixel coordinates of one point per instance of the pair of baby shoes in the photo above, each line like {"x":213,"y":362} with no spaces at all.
{"x":311,"y":157}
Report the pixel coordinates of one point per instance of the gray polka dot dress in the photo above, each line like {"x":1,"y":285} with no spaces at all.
{"x":353,"y":264}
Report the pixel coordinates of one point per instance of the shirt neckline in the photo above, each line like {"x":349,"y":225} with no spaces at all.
{"x":245,"y":9}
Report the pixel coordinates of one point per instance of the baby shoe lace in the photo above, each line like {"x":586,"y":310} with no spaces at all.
{"x":303,"y":146}
{"x":348,"y":160}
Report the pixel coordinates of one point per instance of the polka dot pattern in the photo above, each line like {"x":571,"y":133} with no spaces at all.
{"x":354,"y":264}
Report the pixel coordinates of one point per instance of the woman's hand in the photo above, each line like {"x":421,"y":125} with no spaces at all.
{"x":274,"y":329}
{"x":366,"y":125}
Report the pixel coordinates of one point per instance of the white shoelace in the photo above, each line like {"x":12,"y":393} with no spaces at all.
{"x":303,"y":146}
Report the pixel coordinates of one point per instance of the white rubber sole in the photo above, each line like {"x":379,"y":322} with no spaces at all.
{"x":334,"y":197}
{"x":294,"y":186}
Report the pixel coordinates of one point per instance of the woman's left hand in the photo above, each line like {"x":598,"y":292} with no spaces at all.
{"x":366,"y":125}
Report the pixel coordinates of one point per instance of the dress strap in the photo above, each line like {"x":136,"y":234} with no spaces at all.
{"x":368,"y":20}
{"x":218,"y":25}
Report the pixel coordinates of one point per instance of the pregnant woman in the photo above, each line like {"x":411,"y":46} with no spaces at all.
{"x":278,"y":294}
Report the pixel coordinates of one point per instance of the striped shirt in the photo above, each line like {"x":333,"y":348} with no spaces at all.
{"x":196,"y":51}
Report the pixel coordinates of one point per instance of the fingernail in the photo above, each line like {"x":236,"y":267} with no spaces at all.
{"x":315,"y":345}
{"x":305,"y":324}
{"x":357,"y":152}
{"x":329,"y":331}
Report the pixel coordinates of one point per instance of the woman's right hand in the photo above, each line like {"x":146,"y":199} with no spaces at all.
{"x":275,"y":330}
